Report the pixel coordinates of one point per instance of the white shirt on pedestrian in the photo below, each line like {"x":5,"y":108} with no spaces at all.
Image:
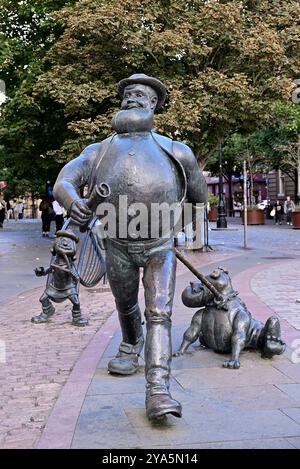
{"x":57,"y":208}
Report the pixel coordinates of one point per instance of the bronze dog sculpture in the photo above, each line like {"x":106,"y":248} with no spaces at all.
{"x":63,"y":279}
{"x":227,"y":326}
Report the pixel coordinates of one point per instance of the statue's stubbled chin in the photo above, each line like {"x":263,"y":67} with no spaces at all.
{"x":133,"y":120}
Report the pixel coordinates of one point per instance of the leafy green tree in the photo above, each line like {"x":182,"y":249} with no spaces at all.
{"x":30,"y":127}
{"x":279,"y":141}
{"x":224,"y":63}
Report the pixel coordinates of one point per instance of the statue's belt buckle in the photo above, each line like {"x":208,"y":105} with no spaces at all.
{"x":135,"y":248}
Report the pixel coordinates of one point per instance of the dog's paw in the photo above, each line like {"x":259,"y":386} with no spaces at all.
{"x":178,"y":354}
{"x":233,"y":364}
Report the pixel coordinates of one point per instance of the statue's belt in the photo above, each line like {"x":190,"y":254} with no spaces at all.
{"x":136,"y":247}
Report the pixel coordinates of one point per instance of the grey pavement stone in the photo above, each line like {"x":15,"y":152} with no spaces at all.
{"x":200,"y":357}
{"x":285,"y":287}
{"x":265,"y":443}
{"x":235,"y":398}
{"x":295,"y":442}
{"x":104,"y":409}
{"x":290,"y":370}
{"x":99,"y":437}
{"x":104,"y":383}
{"x":293,"y":413}
{"x":242,"y":425}
{"x":292,"y":390}
{"x":195,"y":379}
{"x":112,"y":348}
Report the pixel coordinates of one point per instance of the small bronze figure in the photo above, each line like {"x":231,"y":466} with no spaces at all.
{"x":224,"y":324}
{"x":63,"y":279}
{"x":146,"y":168}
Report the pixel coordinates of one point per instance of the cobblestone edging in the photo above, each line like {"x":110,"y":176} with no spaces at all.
{"x":37,"y":360}
{"x":284,"y":279}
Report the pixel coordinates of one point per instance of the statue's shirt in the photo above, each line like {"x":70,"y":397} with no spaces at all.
{"x":137,"y":169}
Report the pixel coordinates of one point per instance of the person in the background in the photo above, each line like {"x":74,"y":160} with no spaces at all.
{"x":11,"y":210}
{"x":46,"y":215}
{"x":15,"y":209}
{"x":59,"y":215}
{"x":2,"y":210}
{"x":289,"y":208}
{"x":278,"y":212}
{"x":20,"y":209}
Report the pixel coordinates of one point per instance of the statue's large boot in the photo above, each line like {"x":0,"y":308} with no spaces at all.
{"x":271,"y":343}
{"x":158,"y":353}
{"x":126,"y":361}
{"x":48,"y":311}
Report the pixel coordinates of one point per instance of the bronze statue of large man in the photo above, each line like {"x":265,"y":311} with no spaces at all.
{"x":147,"y":168}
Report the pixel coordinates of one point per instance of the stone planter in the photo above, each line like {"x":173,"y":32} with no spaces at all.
{"x":213,"y":214}
{"x":296,"y":220}
{"x":254,"y":217}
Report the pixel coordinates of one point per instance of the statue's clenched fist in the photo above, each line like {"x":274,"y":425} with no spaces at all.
{"x":80,"y":212}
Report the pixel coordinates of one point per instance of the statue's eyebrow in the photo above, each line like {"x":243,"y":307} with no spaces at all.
{"x":134,"y":88}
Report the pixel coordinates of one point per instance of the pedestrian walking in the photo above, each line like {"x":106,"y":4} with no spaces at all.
{"x":20,"y":209}
{"x":58,"y":215}
{"x":278,"y":212}
{"x":3,"y":210}
{"x":46,"y":210}
{"x":289,"y":208}
{"x":15,"y":209}
{"x":10,"y":210}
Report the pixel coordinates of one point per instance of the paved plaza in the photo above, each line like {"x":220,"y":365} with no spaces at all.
{"x":55,"y":388}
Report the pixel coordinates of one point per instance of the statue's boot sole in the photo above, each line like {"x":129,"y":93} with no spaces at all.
{"x":37,"y":320}
{"x":160,"y":405}
{"x":81,"y":323}
{"x":119,"y":366}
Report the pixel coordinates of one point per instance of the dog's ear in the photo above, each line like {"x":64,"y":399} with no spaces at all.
{"x":223,"y":270}
{"x":215,"y":274}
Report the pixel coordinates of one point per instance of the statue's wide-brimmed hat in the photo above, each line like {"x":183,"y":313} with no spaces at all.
{"x":67,"y":234}
{"x":141,"y":78}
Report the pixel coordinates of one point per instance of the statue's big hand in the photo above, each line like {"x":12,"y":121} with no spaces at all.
{"x":80,"y":212}
{"x":39,"y":271}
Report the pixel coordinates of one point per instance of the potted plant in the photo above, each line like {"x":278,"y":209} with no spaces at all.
{"x":296,"y":218}
{"x":255,"y":215}
{"x":213,"y":201}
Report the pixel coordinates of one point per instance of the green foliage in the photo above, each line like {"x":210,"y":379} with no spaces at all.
{"x":30,"y":127}
{"x":213,"y":200}
{"x":225,"y":64}
{"x":279,"y":141}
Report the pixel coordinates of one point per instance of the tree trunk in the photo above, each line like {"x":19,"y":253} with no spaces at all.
{"x":296,"y":198}
{"x":230,"y":195}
